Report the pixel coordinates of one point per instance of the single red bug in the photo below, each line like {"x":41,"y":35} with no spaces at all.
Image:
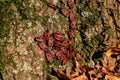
{"x":70,"y":4}
{"x":72,"y":16}
{"x":73,"y":23}
{"x":57,"y":43}
{"x":65,"y":43}
{"x":71,"y":48}
{"x":52,"y":5}
{"x":50,"y":41}
{"x":58,"y":53}
{"x":49,"y":57}
{"x":43,"y":46}
{"x":69,"y":54}
{"x":39,"y":39}
{"x":65,"y":12}
{"x":72,"y":33}
{"x":64,"y":50}
{"x":59,"y":36}
{"x":61,"y":56}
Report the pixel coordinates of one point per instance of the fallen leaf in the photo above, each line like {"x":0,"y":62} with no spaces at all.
{"x":75,"y":74}
{"x":61,"y":74}
{"x":104,"y":70}
{"x":81,"y":77}
{"x":106,"y":37}
{"x":91,"y":73}
{"x":111,"y":77}
{"x":77,"y":70}
{"x":68,"y":70}
{"x":108,"y":53}
{"x":112,"y":50}
{"x":118,"y":45}
{"x":99,"y":75}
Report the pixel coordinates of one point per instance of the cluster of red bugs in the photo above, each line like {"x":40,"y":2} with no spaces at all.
{"x":55,"y":46}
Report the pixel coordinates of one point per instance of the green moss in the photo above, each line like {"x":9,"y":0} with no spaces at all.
{"x":4,"y":30}
{"x":87,"y":19}
{"x":45,"y":21}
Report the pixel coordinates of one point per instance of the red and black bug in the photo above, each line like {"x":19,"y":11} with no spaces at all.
{"x":65,"y":43}
{"x":72,"y":33}
{"x":58,"y":53}
{"x":57,"y":43}
{"x":43,"y":46}
{"x":49,"y":57}
{"x":70,"y":4}
{"x":61,"y":56}
{"x":53,"y":53}
{"x":72,"y":19}
{"x":39,"y":39}
{"x":65,"y":12}
{"x":69,"y":54}
{"x":73,"y":23}
{"x":71,"y":48}
{"x":72,"y":16}
{"x":51,"y":5}
{"x":64,"y":50}
{"x":59,"y":36}
{"x":50,"y":41}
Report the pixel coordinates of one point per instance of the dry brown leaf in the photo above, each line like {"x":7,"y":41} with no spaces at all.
{"x":108,"y":53}
{"x":98,"y":76}
{"x":104,"y":70}
{"x":116,"y":51}
{"x":77,"y":69}
{"x":111,"y":77}
{"x":75,"y":74}
{"x":81,"y":77}
{"x":108,"y":40}
{"x":112,"y":68}
{"x":112,"y":50}
{"x":65,"y":75}
{"x":118,"y":45}
{"x":106,"y":37}
{"x":61,"y":74}
{"x":68,"y":70}
{"x":118,"y":20}
{"x":91,"y":73}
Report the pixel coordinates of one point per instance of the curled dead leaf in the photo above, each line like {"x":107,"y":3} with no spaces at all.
{"x":61,"y":74}
{"x":68,"y":70}
{"x":113,"y":50}
{"x":104,"y":70}
{"x":81,"y":77}
{"x":108,"y":53}
{"x":111,"y":77}
{"x":118,"y":45}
